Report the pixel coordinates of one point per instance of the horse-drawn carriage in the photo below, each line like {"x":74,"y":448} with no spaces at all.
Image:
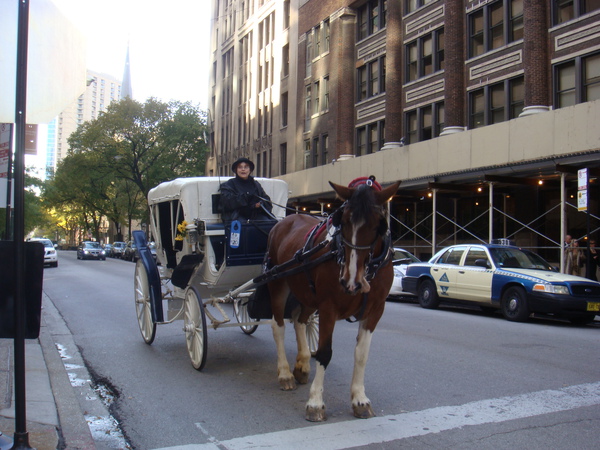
{"x":205,"y":263}
{"x":198,"y":265}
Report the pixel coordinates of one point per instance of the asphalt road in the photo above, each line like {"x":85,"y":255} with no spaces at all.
{"x":448,"y":378}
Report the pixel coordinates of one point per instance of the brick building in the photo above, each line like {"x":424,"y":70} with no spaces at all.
{"x":469,"y":103}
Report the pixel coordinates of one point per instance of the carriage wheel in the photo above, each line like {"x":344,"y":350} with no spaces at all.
{"x":312,"y":332}
{"x":194,"y":325}
{"x":240,"y":309}
{"x":143,"y":303}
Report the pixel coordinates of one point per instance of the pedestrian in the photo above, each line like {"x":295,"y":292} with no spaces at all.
{"x":575,"y":259}
{"x":242,"y":197}
{"x":567,"y":249}
{"x":592,"y":261}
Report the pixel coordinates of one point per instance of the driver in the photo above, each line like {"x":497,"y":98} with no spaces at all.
{"x":242,"y":196}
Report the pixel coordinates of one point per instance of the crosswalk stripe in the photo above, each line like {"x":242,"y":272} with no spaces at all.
{"x":354,"y":433}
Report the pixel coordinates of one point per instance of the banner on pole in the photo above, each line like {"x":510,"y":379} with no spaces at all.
{"x":582,"y":184}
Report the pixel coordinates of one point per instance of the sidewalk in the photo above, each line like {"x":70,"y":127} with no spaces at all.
{"x":54,"y":416}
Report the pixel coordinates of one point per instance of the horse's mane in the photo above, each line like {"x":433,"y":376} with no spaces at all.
{"x":361,"y":203}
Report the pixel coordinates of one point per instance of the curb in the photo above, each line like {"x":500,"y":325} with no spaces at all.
{"x":74,"y":429}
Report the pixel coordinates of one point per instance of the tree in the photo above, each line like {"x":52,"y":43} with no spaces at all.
{"x":34,"y":213}
{"x":146,"y":143}
{"x":114,"y":160}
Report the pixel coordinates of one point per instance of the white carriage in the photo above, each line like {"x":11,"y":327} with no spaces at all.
{"x":201,"y":262}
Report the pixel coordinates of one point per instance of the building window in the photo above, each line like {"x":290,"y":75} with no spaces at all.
{"x":371,"y":18}
{"x":326,"y":93}
{"x":307,"y":153}
{"x":371,"y":79}
{"x":285,"y":63}
{"x":424,"y":123}
{"x":315,"y":152}
{"x":283,"y":159}
{"x":517,"y":97}
{"x":370,"y":138}
{"x":326,"y":35}
{"x":286,"y":14}
{"x":494,"y":25}
{"x":577,"y":81}
{"x":284,"y":109}
{"x":324,"y":149}
{"x":361,"y":80}
{"x":591,"y":78}
{"x":309,"y":53}
{"x":425,"y":55}
{"x":361,"y":141}
{"x":307,"y":106}
{"x":496,"y":103}
{"x":565,"y":10}
{"x":413,"y":5}
{"x":317,"y":97}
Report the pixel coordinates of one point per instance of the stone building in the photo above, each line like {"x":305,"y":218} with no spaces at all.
{"x":485,"y":109}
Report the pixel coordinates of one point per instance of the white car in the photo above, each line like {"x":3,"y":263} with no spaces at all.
{"x":50,"y":253}
{"x":402,"y":258}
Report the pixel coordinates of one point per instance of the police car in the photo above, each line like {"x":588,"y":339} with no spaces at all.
{"x":515,"y":281}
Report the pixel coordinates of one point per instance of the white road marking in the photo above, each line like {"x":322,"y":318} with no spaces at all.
{"x":354,"y":433}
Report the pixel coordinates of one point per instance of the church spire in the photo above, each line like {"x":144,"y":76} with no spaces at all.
{"x":126,"y":84}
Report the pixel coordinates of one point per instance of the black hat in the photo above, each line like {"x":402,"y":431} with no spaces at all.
{"x":242,"y":160}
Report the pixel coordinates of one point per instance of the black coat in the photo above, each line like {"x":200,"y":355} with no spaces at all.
{"x":239,"y":198}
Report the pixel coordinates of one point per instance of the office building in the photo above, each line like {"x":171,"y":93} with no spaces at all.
{"x":101,"y":90}
{"x":485,"y":109}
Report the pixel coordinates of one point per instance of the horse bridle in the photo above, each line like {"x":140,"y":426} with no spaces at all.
{"x":372,"y":265}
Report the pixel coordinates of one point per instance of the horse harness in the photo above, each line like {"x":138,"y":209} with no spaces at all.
{"x":336,"y":242}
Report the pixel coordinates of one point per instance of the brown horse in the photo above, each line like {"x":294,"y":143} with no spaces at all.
{"x":357,"y":239}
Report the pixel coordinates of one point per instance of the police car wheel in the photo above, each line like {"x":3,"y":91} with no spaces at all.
{"x":514,"y":305}
{"x":428,"y":297}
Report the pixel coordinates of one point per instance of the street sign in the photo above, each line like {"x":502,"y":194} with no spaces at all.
{"x":582,"y":200}
{"x":5,"y":140}
{"x":582,"y":179}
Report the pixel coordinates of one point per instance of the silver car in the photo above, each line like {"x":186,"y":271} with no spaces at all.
{"x":402,"y":258}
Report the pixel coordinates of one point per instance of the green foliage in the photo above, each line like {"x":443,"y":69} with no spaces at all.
{"x":34,"y":213}
{"x":114,"y":160}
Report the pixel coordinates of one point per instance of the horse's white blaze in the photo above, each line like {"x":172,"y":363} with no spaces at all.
{"x":361,"y":355}
{"x":353,"y":263}
{"x":315,"y":398}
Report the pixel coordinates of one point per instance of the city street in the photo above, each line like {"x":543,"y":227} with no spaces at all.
{"x":447,"y":378}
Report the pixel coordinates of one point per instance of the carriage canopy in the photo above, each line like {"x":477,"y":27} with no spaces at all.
{"x":199,"y":196}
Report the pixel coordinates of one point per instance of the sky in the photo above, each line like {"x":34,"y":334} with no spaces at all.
{"x":168,"y":44}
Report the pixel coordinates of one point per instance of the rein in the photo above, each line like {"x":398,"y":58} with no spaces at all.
{"x":301,"y":262}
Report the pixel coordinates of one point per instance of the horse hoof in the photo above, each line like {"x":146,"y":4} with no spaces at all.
{"x":363,"y":411}
{"x":300,"y":376}
{"x":287,"y":384}
{"x":316,"y":414}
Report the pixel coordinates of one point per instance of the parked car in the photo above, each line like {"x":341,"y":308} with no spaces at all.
{"x":515,"y":281}
{"x":117,"y":249}
{"x":50,"y":253}
{"x":130,"y":252}
{"x":401,"y":259}
{"x":107,"y":249}
{"x":90,"y":250}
